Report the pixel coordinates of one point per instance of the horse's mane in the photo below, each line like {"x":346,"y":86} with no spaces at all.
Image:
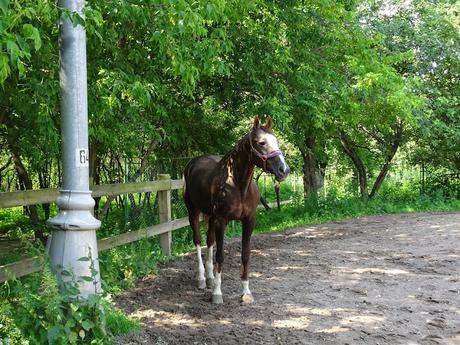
{"x":239,"y":146}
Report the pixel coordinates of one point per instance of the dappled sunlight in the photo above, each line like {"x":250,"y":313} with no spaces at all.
{"x":401,"y":236}
{"x":255,"y":323}
{"x":327,"y":320}
{"x":317,"y":232}
{"x":371,"y":321}
{"x":287,"y":268}
{"x":302,"y":253}
{"x":256,"y":252}
{"x":298,"y":323}
{"x":454,"y":339}
{"x":274,"y":278}
{"x":255,"y":274}
{"x":316,"y":311}
{"x":166,"y":319}
{"x":389,"y":271}
{"x":297,"y":234}
{"x":335,"y":329}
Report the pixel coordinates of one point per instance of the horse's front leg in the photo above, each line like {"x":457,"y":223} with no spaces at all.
{"x":219,"y":229}
{"x":211,"y":239}
{"x":248,"y":226}
{"x":194,"y":219}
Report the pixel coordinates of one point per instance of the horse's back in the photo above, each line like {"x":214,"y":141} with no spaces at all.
{"x":200,"y":166}
{"x":198,"y":175}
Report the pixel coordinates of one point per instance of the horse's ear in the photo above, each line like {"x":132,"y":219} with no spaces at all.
{"x":256,"y":122}
{"x":269,"y":123}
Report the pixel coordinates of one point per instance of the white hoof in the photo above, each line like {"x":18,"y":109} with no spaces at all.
{"x":247,"y":299}
{"x":201,"y":284}
{"x":217,"y":299}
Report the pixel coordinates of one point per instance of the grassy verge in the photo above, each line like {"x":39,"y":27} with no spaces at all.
{"x":330,"y":210}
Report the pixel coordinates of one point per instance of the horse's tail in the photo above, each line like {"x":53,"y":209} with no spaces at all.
{"x":185,"y":176}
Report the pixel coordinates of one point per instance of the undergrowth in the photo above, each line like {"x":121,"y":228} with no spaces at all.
{"x":43,"y":308}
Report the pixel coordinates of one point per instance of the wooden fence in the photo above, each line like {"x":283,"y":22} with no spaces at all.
{"x":163,"y":186}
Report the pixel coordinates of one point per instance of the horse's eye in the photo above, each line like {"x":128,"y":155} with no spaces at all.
{"x":262,"y":143}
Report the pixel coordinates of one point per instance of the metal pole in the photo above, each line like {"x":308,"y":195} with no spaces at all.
{"x":74,"y":228}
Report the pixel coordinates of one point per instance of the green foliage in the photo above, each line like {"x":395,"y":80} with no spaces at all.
{"x":178,"y":78}
{"x":118,"y":323}
{"x":56,"y":316}
{"x":48,"y":310}
{"x":122,"y":266}
{"x":429,"y":34}
{"x":19,"y":39}
{"x":9,"y":332}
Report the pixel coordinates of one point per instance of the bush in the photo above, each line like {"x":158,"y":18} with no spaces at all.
{"x":48,"y":310}
{"x":9,"y":332}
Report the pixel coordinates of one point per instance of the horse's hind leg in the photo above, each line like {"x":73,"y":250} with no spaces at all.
{"x":219,"y":228}
{"x":211,"y":239}
{"x":194,"y":219}
{"x":248,"y":226}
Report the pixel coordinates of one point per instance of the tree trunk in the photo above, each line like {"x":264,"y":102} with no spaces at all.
{"x":386,"y":166}
{"x":136,"y":175}
{"x":311,"y":169}
{"x":44,"y":181}
{"x":262,"y":200}
{"x":277,"y":192}
{"x":351,"y":152}
{"x":7,"y":164}
{"x":25,"y":183}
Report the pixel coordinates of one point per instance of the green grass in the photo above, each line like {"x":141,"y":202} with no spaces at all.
{"x":293,"y":215}
{"x":327,"y":210}
{"x":120,"y":324}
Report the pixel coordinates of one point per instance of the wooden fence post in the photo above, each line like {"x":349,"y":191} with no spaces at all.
{"x":164,"y":206}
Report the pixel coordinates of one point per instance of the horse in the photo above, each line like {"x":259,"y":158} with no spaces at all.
{"x":223,"y":190}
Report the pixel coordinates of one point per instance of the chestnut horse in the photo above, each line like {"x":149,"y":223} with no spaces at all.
{"x":224,"y":190}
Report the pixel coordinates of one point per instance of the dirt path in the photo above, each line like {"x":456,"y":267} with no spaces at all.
{"x":375,"y":280}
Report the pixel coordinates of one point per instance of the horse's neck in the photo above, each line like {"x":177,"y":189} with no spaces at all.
{"x":239,"y":167}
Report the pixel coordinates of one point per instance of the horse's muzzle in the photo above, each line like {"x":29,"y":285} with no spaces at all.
{"x":280,"y":169}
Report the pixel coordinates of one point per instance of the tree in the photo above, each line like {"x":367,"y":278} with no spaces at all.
{"x":430,"y":33}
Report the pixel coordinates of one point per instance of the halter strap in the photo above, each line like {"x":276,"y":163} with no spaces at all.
{"x":264,"y":157}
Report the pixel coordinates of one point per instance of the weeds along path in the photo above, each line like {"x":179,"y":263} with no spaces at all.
{"x":375,"y":280}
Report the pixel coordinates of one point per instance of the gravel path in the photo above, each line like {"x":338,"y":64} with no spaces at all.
{"x":374,"y":280}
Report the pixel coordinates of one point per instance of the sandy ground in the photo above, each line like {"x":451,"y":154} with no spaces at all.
{"x":375,"y":280}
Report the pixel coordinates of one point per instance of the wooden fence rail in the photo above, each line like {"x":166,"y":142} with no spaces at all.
{"x":164,"y":186}
{"x":47,"y":196}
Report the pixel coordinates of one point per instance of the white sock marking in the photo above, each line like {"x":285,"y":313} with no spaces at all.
{"x":217,"y":282}
{"x":245,"y":284}
{"x":209,"y":265}
{"x":199,"y":267}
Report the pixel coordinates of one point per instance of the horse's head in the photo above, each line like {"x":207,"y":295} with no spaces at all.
{"x":266,"y":153}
